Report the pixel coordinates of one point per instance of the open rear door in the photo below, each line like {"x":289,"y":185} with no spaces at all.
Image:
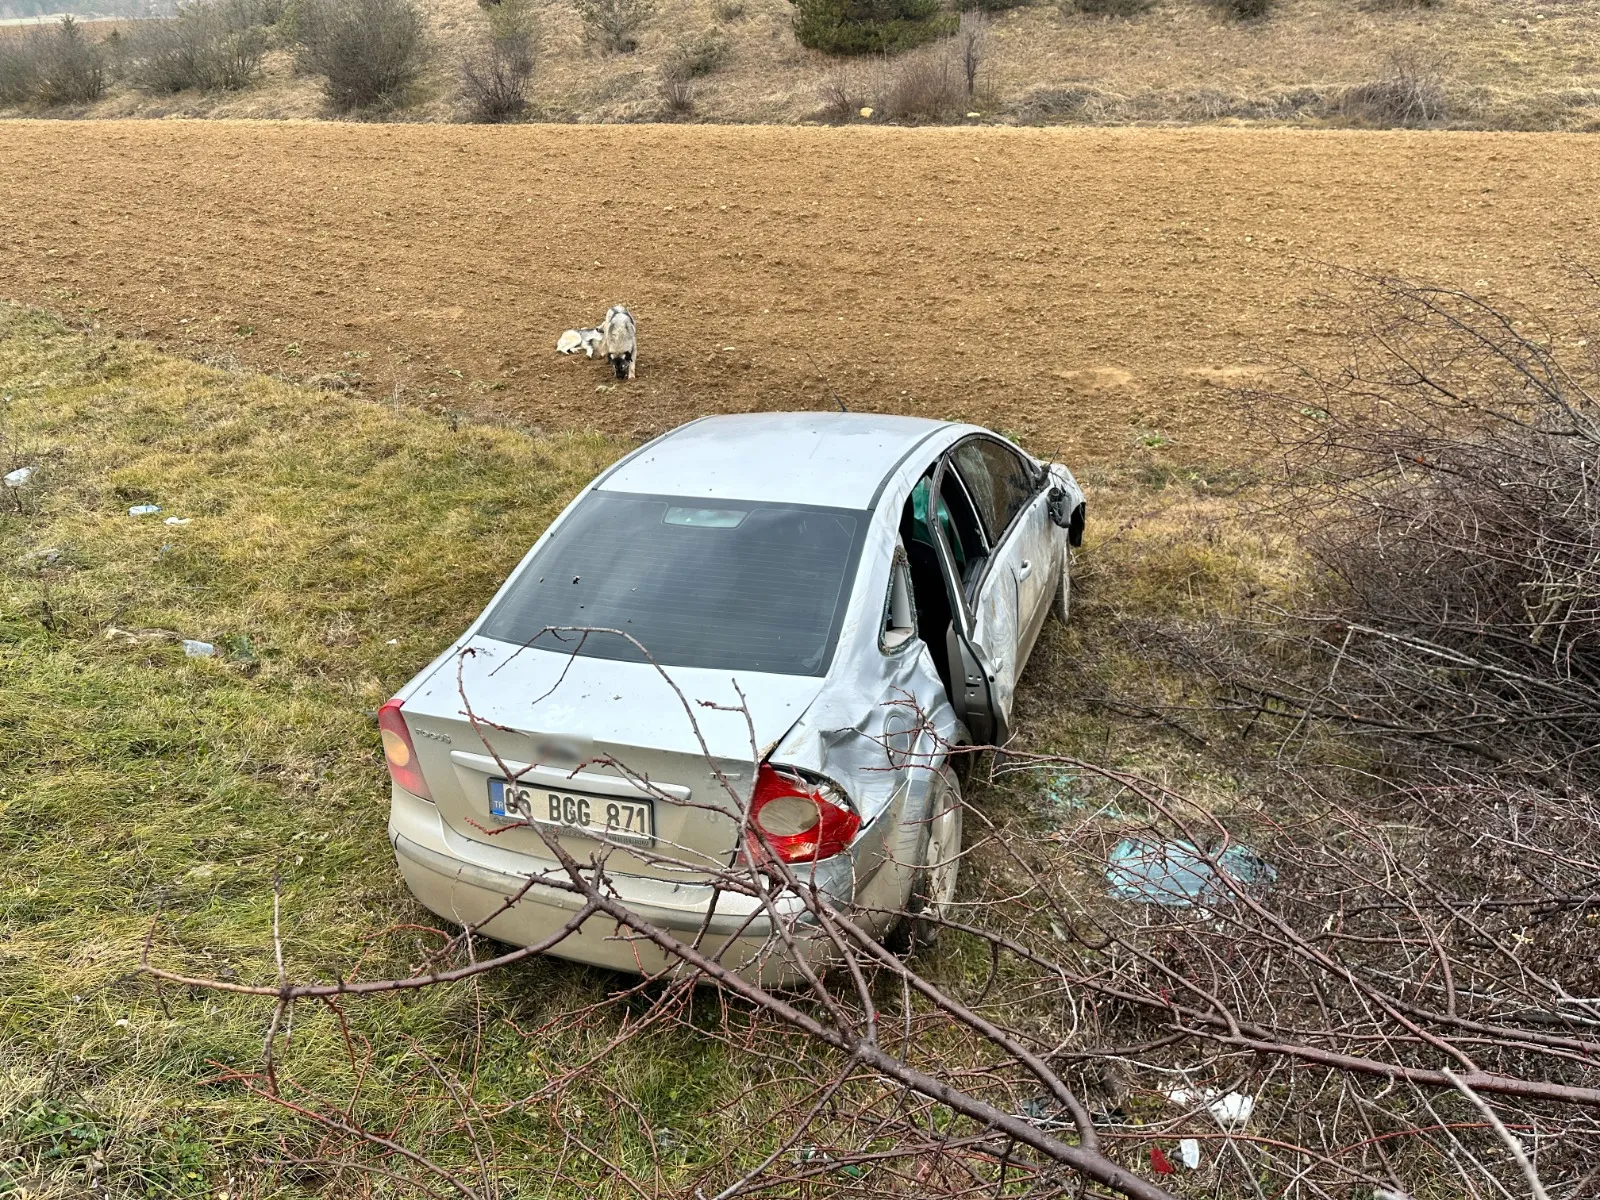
{"x":973,"y":673}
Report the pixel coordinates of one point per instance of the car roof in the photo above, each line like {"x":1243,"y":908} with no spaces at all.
{"x":833,"y":459}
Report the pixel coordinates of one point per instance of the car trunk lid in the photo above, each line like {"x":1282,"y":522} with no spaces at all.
{"x":569,"y":728}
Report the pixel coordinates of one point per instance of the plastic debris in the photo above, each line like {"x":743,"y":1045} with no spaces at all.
{"x":1064,"y":793}
{"x":1383,"y":1193}
{"x":144,"y":510}
{"x":867,"y":112}
{"x":1234,"y":1108}
{"x":1176,"y":874}
{"x":1160,"y":1163}
{"x":1189,"y":1152}
{"x":197,"y":649}
{"x":20,"y":476}
{"x":177,"y":520}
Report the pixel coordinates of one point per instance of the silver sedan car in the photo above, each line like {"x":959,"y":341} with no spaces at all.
{"x":808,"y":609}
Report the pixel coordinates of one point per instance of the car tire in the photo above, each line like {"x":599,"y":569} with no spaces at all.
{"x":933,"y":887}
{"x":1061,"y":602}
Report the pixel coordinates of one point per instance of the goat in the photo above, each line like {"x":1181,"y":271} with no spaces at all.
{"x":620,"y":340}
{"x":574,"y":340}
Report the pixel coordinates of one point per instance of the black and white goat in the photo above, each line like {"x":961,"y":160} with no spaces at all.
{"x":619,"y":340}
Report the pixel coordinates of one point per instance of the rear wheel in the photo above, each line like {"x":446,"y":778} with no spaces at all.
{"x":933,"y":888}
{"x":1061,"y":602}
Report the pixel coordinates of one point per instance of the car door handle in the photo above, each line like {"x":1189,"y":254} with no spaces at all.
{"x":1022,"y":571}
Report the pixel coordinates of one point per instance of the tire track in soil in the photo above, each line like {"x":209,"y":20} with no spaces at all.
{"x":1073,"y":287}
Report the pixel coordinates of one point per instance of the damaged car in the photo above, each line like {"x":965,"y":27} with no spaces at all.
{"x":764,"y":634}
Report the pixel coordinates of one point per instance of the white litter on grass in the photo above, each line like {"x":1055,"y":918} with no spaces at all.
{"x":144,"y":510}
{"x":196,"y":649}
{"x":1189,"y":1151}
{"x":177,"y":520}
{"x":1234,"y":1108}
{"x":20,"y":476}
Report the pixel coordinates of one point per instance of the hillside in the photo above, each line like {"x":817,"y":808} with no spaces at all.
{"x":1491,"y":64}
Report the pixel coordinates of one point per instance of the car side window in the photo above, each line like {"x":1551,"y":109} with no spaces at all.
{"x":999,"y":480}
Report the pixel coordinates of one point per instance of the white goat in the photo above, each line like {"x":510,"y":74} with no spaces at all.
{"x":574,"y":340}
{"x":619,"y":339}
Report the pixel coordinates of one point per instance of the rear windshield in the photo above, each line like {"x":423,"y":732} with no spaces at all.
{"x":700,"y":583}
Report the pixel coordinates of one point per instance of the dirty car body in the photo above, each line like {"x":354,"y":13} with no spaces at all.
{"x":810,"y":610}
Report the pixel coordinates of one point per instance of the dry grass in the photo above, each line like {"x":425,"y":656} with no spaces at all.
{"x":1502,"y":65}
{"x":334,"y":546}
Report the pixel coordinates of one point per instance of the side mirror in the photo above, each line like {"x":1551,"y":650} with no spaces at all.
{"x":1069,"y":519}
{"x":1058,"y":506}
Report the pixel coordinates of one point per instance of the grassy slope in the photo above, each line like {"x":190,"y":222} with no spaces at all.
{"x":1521,"y":64}
{"x":346,"y":542}
{"x":335,"y":544}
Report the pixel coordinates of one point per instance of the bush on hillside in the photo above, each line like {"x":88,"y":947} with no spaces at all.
{"x":369,"y":51}
{"x":697,"y":56}
{"x":1408,"y":94}
{"x":52,"y":66}
{"x":495,"y":76}
{"x":614,"y":25}
{"x":1111,"y":8}
{"x":19,"y":70}
{"x":925,"y":86}
{"x":869,"y":26}
{"x":216,"y":46}
{"x":1245,"y":10}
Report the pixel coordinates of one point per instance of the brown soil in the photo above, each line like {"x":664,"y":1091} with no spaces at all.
{"x":1081,"y":289}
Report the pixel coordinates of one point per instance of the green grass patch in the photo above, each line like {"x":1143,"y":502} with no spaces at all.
{"x":330,"y":546}
{"x":334,"y":545}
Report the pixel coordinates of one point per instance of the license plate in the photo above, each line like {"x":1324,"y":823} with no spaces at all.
{"x":630,"y":821}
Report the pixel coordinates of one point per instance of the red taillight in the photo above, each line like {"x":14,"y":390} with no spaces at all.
{"x":399,"y":752}
{"x":798,"y":821}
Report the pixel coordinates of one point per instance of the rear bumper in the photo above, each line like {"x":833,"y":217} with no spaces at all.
{"x":464,"y":882}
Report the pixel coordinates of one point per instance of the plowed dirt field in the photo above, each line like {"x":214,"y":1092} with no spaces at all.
{"x":1078,"y":288}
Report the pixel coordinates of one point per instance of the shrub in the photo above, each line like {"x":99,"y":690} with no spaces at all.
{"x":55,"y":66}
{"x":19,"y":69}
{"x":843,"y":94}
{"x":1445,"y":486}
{"x":614,"y":25}
{"x":993,"y":5}
{"x":677,"y":94}
{"x":869,"y":26}
{"x":495,"y":76}
{"x":1112,"y":8}
{"x":928,"y":86}
{"x":370,"y":51}
{"x":698,"y":56}
{"x":214,"y":46}
{"x":1245,"y":10}
{"x":1407,"y":94}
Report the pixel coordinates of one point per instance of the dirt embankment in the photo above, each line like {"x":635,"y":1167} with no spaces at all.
{"x":1078,"y":288}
